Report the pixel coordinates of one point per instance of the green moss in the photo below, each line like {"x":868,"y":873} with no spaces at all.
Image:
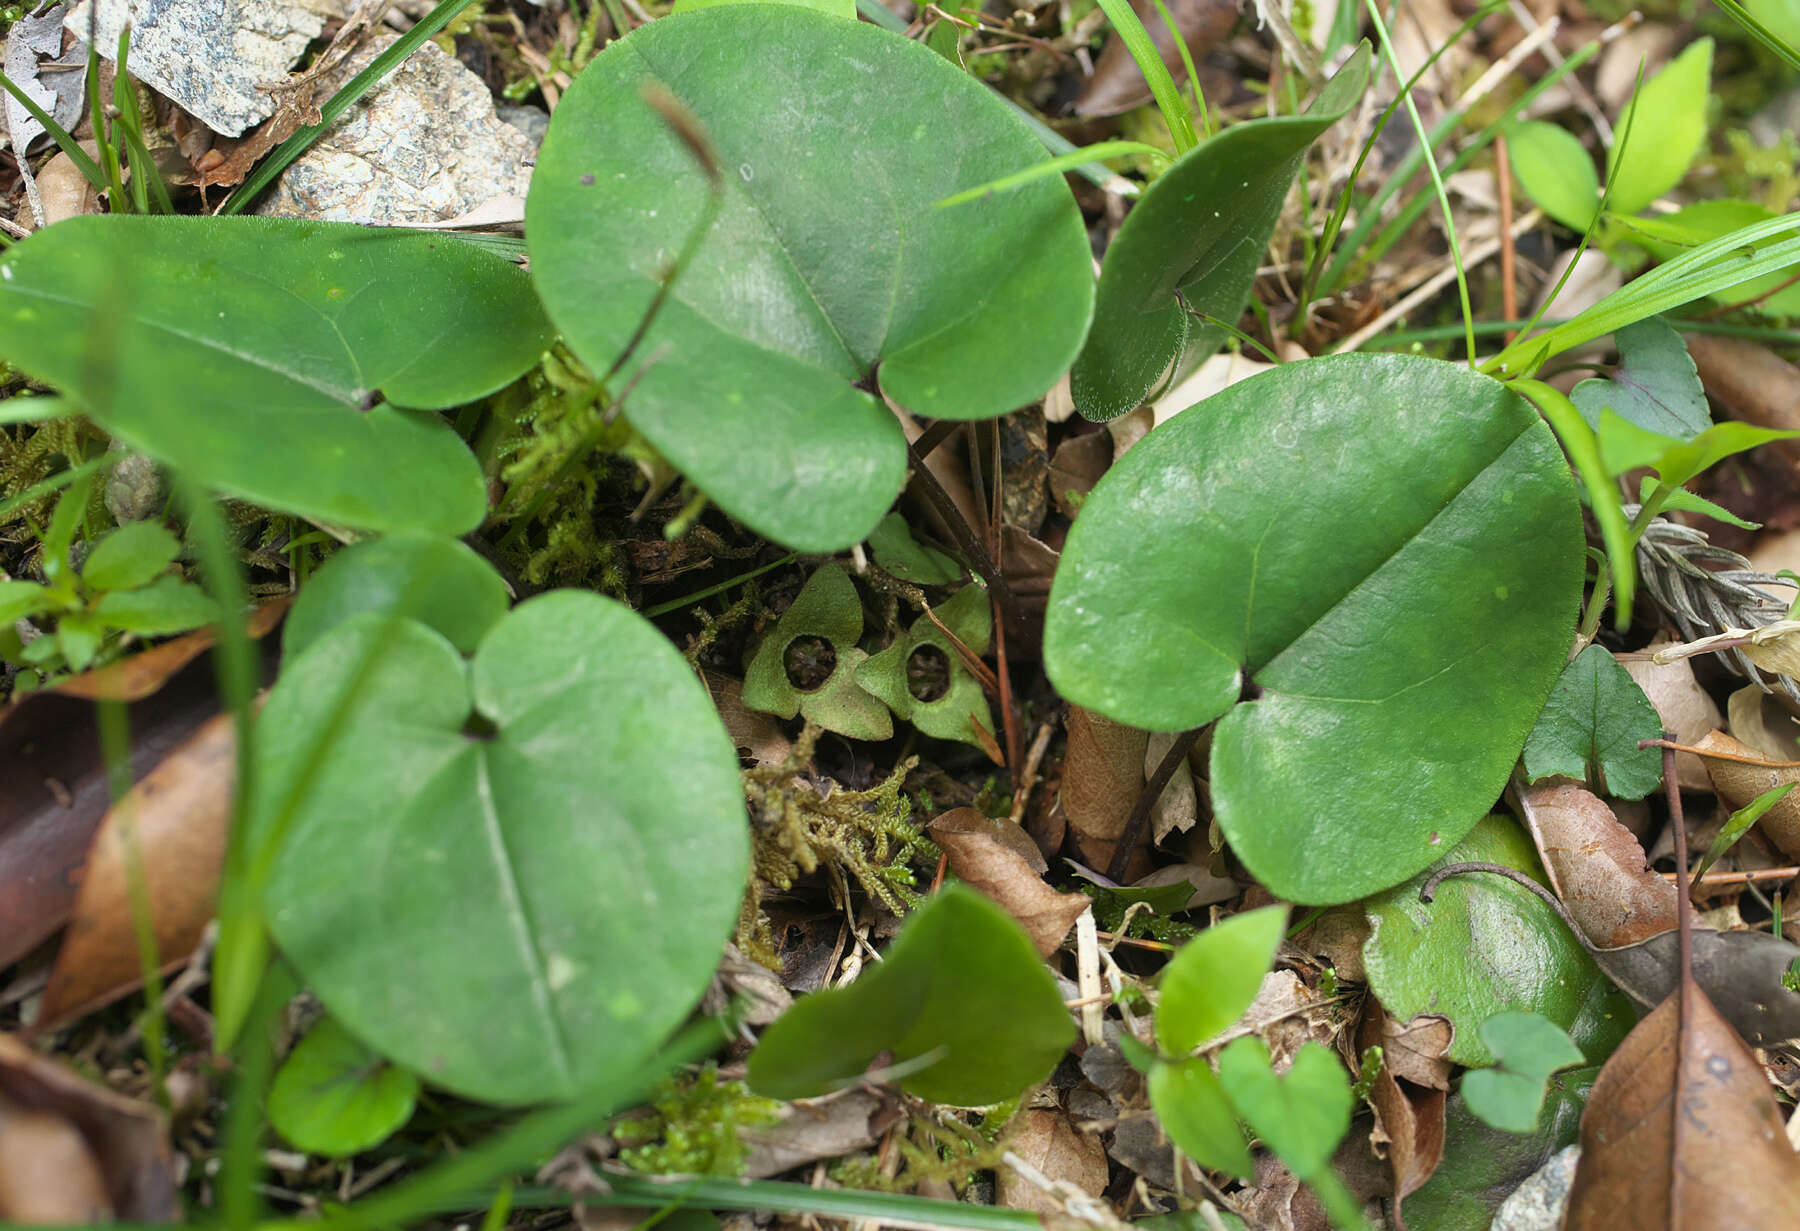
{"x":691,"y":1126}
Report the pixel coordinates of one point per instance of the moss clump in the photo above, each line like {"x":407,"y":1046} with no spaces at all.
{"x":936,"y":1147}
{"x":797,"y":828}
{"x":691,"y":1126}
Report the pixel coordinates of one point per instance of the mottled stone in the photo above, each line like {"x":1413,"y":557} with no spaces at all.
{"x":424,"y":146}
{"x":1540,"y":1202}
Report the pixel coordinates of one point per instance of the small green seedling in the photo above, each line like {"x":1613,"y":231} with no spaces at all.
{"x":1591,"y":726}
{"x":122,"y":586}
{"x":962,"y":1001}
{"x":336,"y":1097}
{"x":900,"y":555}
{"x":1527,"y":1048}
{"x":1738,"y":826}
{"x":807,"y":663}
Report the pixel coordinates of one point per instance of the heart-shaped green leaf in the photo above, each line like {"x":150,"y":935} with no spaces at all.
{"x":1301,"y":1114}
{"x":270,"y":358}
{"x":1591,"y":726}
{"x":333,"y":1096}
{"x":826,"y":272}
{"x":1529,"y":1048}
{"x":827,"y":608}
{"x":566,"y":805}
{"x":962,"y":706}
{"x":1382,"y":556}
{"x":1655,"y":385}
{"x":1213,"y":978}
{"x":438,"y":582}
{"x":1485,"y":946}
{"x":962,"y":1000}
{"x":1192,"y":1108}
{"x":1192,"y":243}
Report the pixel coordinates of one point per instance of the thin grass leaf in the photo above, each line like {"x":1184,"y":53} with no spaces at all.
{"x":1761,"y":33}
{"x":1739,"y":825}
{"x":147,"y":185}
{"x":359,"y":85}
{"x":1149,"y":61}
{"x":1437,"y":183}
{"x":1052,"y":166}
{"x":116,"y":199}
{"x":1719,"y":264}
{"x":1187,"y":64}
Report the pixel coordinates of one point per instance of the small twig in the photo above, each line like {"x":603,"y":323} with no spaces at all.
{"x":933,"y":436}
{"x":1686,"y":1006}
{"x":1739,"y":878}
{"x":1669,"y":745}
{"x":1509,"y":295}
{"x":1429,"y":889}
{"x":1028,"y":776}
{"x":1138,"y":824}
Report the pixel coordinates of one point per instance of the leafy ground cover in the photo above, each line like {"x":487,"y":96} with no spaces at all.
{"x":981,"y":619}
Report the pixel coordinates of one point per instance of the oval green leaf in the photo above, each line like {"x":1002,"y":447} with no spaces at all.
{"x":1192,"y":1108}
{"x":1484,"y":946}
{"x":1660,"y":131}
{"x":1388,"y":550}
{"x":1556,"y":171}
{"x":964,"y":1003}
{"x":826,"y":273}
{"x":565,"y":808}
{"x":439,"y":582}
{"x":333,"y":1096}
{"x":1301,"y":1114}
{"x":1213,"y":978}
{"x":130,"y":556}
{"x":1195,"y":238}
{"x":252,"y":354}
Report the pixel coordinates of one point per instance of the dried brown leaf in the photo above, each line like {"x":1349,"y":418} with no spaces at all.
{"x":1596,"y":867}
{"x":1759,"y":719}
{"x":1117,"y":85}
{"x":1103,"y":771}
{"x":47,"y":1173}
{"x":1739,"y":782}
{"x":1682,"y":1131}
{"x":56,"y":782}
{"x":754,"y":733}
{"x":128,"y":1140}
{"x":1753,"y":382}
{"x":1409,"y":1115}
{"x":812,"y":1129}
{"x":1059,"y":1152}
{"x":1077,"y":465}
{"x":1687,"y":710}
{"x":996,"y":857}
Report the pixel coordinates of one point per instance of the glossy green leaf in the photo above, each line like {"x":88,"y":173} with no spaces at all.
{"x":964,"y":1003}
{"x":1556,"y":172}
{"x":1196,"y":238}
{"x":1655,"y":385}
{"x":1590,"y":728}
{"x":1213,"y":978}
{"x":166,"y":605}
{"x":437,"y":581}
{"x":1528,"y":1048}
{"x":1776,"y":293}
{"x":1483,"y":1165}
{"x":1301,"y":1114}
{"x":335,"y":1097}
{"x":1382,"y":556}
{"x":895,"y":549}
{"x":963,"y":706}
{"x":1192,"y":1108}
{"x":825,"y":273}
{"x":270,"y":358}
{"x":1485,"y":946}
{"x":1666,"y":123}
{"x":566,"y":806}
{"x":130,"y":556}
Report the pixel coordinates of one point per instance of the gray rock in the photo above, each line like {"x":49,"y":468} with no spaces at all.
{"x":1541,"y":1201}
{"x":208,"y":56}
{"x":424,"y":146}
{"x":60,"y":92}
{"x":534,"y":122}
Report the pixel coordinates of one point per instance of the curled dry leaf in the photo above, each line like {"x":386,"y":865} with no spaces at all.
{"x":1103,"y":771}
{"x":56,"y":782}
{"x":1409,"y":1114}
{"x":1682,"y":1130}
{"x":753,"y":733}
{"x":47,"y":1173}
{"x":1045,"y":1141}
{"x":998,"y":858}
{"x":126,"y":1139}
{"x":1739,"y":782}
{"x":1596,"y":867}
{"x":171,"y":828}
{"x":1175,"y":809}
{"x":1761,"y":720}
{"x":1686,"y":709}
